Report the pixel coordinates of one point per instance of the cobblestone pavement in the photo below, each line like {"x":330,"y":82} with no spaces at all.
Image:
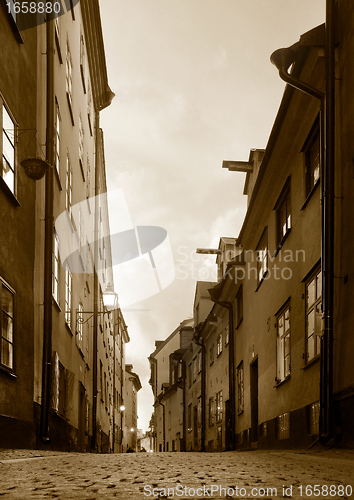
{"x":26,"y":474}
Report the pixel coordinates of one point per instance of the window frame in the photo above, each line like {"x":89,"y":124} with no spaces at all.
{"x":13,"y":143}
{"x":68,"y":297}
{"x":218,"y":406}
{"x":316,"y":307}
{"x":219,"y":345}
{"x":313,"y":137}
{"x":262,"y":257}
{"x":284,"y":200}
{"x":56,"y":268}
{"x":69,"y":79}
{"x":9,"y":368}
{"x":283,"y":369}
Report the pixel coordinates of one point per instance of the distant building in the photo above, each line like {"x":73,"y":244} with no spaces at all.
{"x":132,"y":386}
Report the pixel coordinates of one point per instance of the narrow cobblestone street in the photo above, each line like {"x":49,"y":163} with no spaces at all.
{"x":257,"y":474}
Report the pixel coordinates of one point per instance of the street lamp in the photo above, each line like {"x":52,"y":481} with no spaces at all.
{"x":110,"y":303}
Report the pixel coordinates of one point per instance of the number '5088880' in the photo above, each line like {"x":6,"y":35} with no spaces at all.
{"x":33,"y":7}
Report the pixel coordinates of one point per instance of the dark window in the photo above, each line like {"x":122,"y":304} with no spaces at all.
{"x":283,"y":209}
{"x":312,"y":157}
{"x":7,"y":326}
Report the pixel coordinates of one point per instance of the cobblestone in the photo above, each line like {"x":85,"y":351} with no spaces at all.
{"x":27,"y":474}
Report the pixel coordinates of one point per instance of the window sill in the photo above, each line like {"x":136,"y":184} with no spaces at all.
{"x":311,"y":362}
{"x":7,"y":191}
{"x":282,"y":241}
{"x":309,"y":196}
{"x":281,"y":382}
{"x":8,"y":371}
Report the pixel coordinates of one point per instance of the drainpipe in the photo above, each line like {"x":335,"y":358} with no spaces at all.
{"x":48,"y":251}
{"x":95,"y":287}
{"x":282,"y":59}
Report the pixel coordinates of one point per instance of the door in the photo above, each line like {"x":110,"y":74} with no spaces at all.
{"x":254,"y":401}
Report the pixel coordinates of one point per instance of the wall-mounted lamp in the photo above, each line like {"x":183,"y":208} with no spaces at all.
{"x":110,"y":303}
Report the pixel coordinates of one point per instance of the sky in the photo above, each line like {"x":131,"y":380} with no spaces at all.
{"x":193,"y":86}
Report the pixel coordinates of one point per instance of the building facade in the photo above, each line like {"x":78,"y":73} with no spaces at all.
{"x":132,"y":386}
{"x":62,"y":361}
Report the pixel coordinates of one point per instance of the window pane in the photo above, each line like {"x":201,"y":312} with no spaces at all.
{"x":311,"y":323}
{"x":7,"y":302}
{"x":310,"y":293}
{"x":280,"y":326}
{"x":319,"y":285}
{"x":287,"y":320}
{"x":7,"y":327}
{"x":287,"y":345}
{"x":7,"y":353}
{"x":8,"y":151}
{"x":8,"y":125}
{"x":287,"y":366}
{"x":310,"y":347}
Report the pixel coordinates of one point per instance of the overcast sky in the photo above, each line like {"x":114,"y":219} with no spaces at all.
{"x":194,"y":86}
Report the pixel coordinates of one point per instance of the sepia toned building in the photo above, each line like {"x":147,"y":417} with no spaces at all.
{"x":131,"y":389}
{"x":62,"y":351}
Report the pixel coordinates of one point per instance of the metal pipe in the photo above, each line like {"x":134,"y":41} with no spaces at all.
{"x":327,"y":415}
{"x":48,"y":243}
{"x":95,"y":288}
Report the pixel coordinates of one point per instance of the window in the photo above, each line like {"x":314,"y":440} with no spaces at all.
{"x":81,"y":236}
{"x":283,"y":209}
{"x":262,"y":256}
{"x":79,"y":332}
{"x":69,"y":185}
{"x":311,"y":152}
{"x":211,"y":355}
{"x":199,"y":361}
{"x":219,"y":345}
{"x":59,"y":387}
{"x":227,"y":333}
{"x":55,"y":278}
{"x":283,"y":426}
{"x":7,"y":325}
{"x":82,"y":59}
{"x":195,"y":369}
{"x":313,"y":315}
{"x":211,"y":411}
{"x":7,"y":167}
{"x":68,"y":297}
{"x":69,"y":78}
{"x":89,"y":104}
{"x":88,"y":178}
{"x":57,"y":37}
{"x":57,"y":140}
{"x":81,"y":146}
{"x":219,"y":406}
{"x":283,"y":345}
{"x":240,"y":388}
{"x":239,"y":305}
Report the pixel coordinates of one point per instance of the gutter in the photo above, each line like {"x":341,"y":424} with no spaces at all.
{"x":48,"y":249}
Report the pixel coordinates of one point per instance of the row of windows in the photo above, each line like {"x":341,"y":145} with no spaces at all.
{"x":283,"y":324}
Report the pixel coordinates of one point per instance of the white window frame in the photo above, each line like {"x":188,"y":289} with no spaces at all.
{"x":219,"y":344}
{"x":9,"y":137}
{"x":240,"y":388}
{"x":283,"y":344}
{"x":68,"y":297}
{"x":69,"y":77}
{"x":218,"y":406}
{"x":313,"y":310}
{"x":56,"y":267}
{"x":69,"y":185}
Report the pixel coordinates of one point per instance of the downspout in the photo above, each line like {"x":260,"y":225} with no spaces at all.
{"x":203,"y":375}
{"x":95,"y":288}
{"x":282,"y":59}
{"x":228,"y":305}
{"x":48,"y":238}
